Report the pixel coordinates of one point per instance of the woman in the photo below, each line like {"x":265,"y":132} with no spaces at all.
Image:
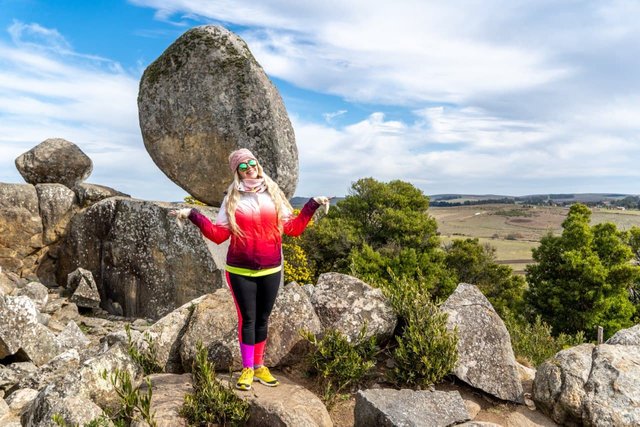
{"x":254,"y":214}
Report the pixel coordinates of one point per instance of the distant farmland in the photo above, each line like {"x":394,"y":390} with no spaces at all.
{"x":516,"y":229}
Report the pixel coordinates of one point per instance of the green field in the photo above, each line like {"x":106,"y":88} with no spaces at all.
{"x":515,"y":229}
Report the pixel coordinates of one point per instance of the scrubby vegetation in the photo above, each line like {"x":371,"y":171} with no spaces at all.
{"x":339,"y":364}
{"x":533,"y":343}
{"x":211,"y":402}
{"x":383,"y":234}
{"x":147,"y":358}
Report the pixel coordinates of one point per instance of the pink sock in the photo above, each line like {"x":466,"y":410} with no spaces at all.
{"x":247,"y":351}
{"x":258,"y":355}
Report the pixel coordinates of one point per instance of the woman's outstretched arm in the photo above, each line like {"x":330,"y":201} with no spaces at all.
{"x":217,"y":233}
{"x":294,"y":226}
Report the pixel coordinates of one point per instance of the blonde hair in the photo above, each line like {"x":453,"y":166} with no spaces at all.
{"x":233,"y":197}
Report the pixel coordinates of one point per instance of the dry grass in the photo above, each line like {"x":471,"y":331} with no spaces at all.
{"x":514,"y":230}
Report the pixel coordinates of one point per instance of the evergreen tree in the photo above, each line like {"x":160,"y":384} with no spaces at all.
{"x":582,"y":277}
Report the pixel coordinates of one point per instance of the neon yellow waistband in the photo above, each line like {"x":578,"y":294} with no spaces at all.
{"x":252,"y":273}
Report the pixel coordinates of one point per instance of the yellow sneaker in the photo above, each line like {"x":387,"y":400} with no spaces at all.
{"x":263,"y":375}
{"x":245,"y":380}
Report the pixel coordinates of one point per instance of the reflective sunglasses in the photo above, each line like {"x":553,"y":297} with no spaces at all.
{"x":242,"y":167}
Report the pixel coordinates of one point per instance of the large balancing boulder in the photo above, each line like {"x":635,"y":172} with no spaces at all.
{"x":204,"y":97}
{"x":54,"y":161}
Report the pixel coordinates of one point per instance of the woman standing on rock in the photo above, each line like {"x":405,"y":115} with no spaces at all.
{"x":254,"y":214}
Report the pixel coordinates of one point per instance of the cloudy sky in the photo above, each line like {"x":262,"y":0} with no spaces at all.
{"x":494,"y":96}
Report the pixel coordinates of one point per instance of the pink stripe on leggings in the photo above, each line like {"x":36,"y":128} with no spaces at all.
{"x":246,"y":350}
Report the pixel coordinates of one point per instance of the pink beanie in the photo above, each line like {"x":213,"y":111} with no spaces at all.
{"x":239,"y":156}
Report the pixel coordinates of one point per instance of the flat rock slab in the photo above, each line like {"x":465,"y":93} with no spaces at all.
{"x":391,"y":408}
{"x":168,"y":397}
{"x":286,"y":405}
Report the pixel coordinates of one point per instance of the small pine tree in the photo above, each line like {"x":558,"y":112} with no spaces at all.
{"x":582,"y":277}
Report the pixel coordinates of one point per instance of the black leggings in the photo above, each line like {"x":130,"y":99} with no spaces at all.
{"x":254,"y":297}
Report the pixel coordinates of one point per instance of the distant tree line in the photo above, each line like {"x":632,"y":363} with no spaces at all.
{"x":444,"y":203}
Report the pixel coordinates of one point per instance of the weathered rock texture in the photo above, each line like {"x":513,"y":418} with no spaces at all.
{"x":54,"y":161}
{"x":21,"y":332}
{"x":204,"y":97}
{"x":391,"y":408}
{"x":485,"y":357}
{"x":630,"y":336}
{"x":591,"y":385}
{"x":20,"y":229}
{"x":167,"y":399}
{"x":140,"y":258}
{"x":347,"y":304}
{"x":291,"y":313}
{"x":215,"y":323}
{"x":85,"y":290}
{"x":288,"y":405}
{"x":88,"y":194}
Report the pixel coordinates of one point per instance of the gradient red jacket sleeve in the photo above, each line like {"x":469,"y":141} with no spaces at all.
{"x":217,"y":233}
{"x":296,"y":225}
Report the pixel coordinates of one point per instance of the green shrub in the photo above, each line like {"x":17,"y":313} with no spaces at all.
{"x":133,"y":404}
{"x":427,"y":350}
{"x":147,"y":359}
{"x":340,"y":364}
{"x":211,"y":402}
{"x":533,"y":343}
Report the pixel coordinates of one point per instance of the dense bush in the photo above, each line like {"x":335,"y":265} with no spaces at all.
{"x":211,"y":403}
{"x":533,"y":343}
{"x":386,"y":217}
{"x":582,"y":277}
{"x":340,"y":364}
{"x":427,"y":350}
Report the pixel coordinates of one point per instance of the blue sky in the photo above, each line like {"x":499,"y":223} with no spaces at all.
{"x":502,"y":97}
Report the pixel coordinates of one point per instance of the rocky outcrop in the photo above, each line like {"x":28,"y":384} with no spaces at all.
{"x":85,"y":291}
{"x":57,"y":205}
{"x":89,"y":194}
{"x":485,"y":357}
{"x":166,"y":335}
{"x":630,"y":336}
{"x":204,"y":97}
{"x":288,"y":405}
{"x":21,"y":238}
{"x":36,"y":292}
{"x":347,"y":304}
{"x":140,"y":258}
{"x":591,"y":385}
{"x":54,"y":161}
{"x":291,"y":313}
{"x":20,"y":332}
{"x":214,"y":322}
{"x":395,"y":408}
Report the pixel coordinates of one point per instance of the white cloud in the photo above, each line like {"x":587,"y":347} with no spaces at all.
{"x":48,"y":90}
{"x":449,"y":150}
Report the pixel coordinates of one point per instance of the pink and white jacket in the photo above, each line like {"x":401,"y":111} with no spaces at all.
{"x":260,"y":247}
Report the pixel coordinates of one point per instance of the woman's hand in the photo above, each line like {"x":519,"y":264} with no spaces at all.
{"x":323,"y":200}
{"x":180,"y":214}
